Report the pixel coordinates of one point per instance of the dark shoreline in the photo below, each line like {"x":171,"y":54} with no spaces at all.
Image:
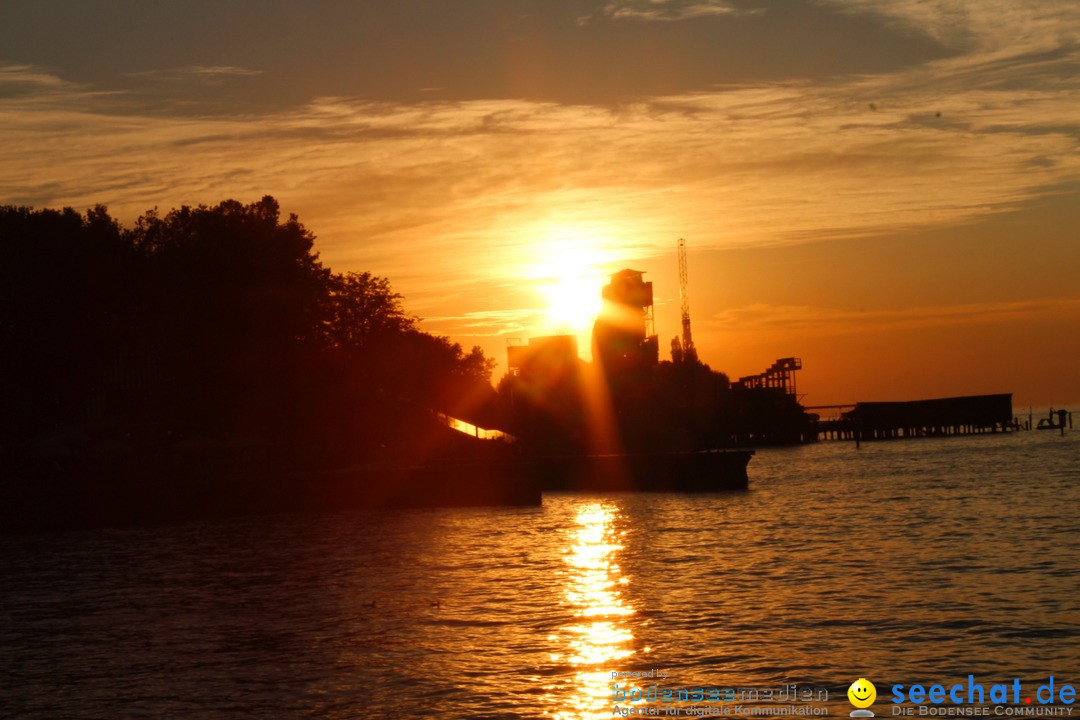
{"x":86,"y":493}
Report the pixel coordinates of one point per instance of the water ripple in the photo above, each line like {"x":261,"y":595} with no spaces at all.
{"x":909,"y":561}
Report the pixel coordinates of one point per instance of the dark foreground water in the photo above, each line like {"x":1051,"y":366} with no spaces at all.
{"x":910,"y":561}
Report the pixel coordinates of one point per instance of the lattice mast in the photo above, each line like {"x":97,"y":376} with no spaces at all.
{"x":689,"y":352}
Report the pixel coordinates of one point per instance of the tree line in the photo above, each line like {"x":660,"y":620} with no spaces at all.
{"x":212,"y":324}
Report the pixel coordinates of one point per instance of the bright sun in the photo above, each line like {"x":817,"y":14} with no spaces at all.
{"x":566,"y":272}
{"x":573,"y":300}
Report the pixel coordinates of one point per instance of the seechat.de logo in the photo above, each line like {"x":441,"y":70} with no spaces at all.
{"x":1053,"y":698}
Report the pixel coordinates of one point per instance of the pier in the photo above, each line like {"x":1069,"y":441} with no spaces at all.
{"x":940,"y":417}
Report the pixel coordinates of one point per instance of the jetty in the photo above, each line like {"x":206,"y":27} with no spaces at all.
{"x":939,"y":417}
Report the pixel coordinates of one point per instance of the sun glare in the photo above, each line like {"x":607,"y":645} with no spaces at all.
{"x":567,"y":272}
{"x":573,"y":301}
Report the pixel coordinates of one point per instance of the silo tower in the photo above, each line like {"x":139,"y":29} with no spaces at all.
{"x":623,"y":336}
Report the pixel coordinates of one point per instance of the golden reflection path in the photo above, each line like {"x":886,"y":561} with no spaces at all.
{"x":597,"y":640}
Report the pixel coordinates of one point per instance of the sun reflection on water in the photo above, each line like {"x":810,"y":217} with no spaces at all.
{"x":598,"y":638}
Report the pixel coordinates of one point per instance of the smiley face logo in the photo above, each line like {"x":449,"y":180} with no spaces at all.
{"x":862,"y":693}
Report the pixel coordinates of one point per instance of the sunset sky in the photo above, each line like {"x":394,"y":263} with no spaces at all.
{"x":888,"y":189}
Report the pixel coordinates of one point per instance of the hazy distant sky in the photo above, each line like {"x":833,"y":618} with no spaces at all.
{"x":888,"y":189}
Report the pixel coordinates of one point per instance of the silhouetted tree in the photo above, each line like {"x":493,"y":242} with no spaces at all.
{"x":64,"y":296}
{"x":235,"y":297}
{"x":363,"y":308}
{"x":215,"y":321}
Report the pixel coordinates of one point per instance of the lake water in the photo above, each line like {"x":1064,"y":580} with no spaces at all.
{"x":902,"y":562}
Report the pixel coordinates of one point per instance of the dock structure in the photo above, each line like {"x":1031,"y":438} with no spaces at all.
{"x":939,"y":417}
{"x":780,"y":376}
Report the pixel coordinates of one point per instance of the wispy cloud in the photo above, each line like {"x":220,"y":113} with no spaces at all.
{"x":666,"y":10}
{"x":795,"y":320}
{"x":12,"y":76}
{"x":470,"y":188}
{"x":487,"y":323}
{"x":198,"y":71}
{"x":978,"y":26}
{"x":740,"y":165}
{"x":221,"y":70}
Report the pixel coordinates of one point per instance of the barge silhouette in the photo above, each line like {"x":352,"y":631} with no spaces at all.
{"x":710,"y":471}
{"x":87,"y":492}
